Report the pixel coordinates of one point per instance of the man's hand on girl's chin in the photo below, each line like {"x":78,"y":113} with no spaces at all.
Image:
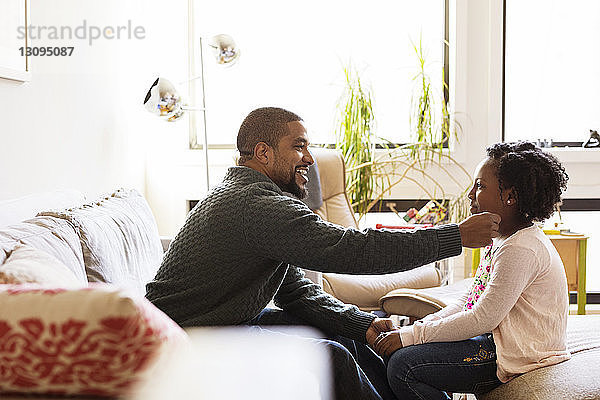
{"x":479,"y":229}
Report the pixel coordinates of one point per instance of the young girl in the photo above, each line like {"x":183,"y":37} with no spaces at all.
{"x":513,"y":319}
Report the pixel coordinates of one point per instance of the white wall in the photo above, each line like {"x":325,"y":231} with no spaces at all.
{"x":79,"y":123}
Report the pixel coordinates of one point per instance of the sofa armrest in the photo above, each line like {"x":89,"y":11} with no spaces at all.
{"x":417,"y":303}
{"x":165,"y":241}
{"x":365,"y":290}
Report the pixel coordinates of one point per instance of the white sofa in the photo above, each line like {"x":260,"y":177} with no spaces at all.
{"x":114,"y":240}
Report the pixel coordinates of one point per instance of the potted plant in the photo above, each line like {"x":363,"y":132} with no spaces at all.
{"x":371,"y":176}
{"x":356,"y":141}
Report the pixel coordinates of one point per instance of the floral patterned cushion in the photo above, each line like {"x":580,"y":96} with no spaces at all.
{"x":97,"y":340}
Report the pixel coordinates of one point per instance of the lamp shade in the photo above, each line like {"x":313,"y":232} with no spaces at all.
{"x":225,"y":49}
{"x":163,"y":100}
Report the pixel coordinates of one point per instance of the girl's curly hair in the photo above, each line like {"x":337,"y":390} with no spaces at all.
{"x":538,"y":178}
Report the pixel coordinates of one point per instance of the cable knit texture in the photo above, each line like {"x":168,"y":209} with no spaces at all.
{"x":240,"y":246}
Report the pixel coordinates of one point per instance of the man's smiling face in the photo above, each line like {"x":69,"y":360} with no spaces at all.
{"x":292,"y":160}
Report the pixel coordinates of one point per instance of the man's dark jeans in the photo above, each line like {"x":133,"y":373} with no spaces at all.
{"x":425,"y":371}
{"x":358,"y":372}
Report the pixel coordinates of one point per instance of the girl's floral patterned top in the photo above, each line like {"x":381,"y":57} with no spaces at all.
{"x":482,"y":277}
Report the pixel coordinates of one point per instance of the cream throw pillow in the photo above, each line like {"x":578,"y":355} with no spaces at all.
{"x":27,"y":264}
{"x":119,"y":238}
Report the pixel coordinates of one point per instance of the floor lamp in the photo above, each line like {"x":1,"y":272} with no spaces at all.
{"x":164,"y":100}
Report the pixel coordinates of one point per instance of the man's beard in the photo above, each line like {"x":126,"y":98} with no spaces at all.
{"x":289,"y":184}
{"x":293,"y":188}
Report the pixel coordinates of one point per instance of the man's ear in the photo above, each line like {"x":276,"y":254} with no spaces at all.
{"x":510,"y":197}
{"x":263,"y":153}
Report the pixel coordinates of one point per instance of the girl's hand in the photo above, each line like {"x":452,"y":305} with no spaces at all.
{"x":387,"y":343}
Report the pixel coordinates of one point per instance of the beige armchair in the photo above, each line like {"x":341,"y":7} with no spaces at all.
{"x":365,"y":291}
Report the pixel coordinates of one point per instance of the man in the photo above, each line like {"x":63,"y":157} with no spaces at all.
{"x":244,"y":243}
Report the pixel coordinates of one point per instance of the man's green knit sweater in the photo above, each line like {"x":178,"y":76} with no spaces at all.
{"x":244,"y":243}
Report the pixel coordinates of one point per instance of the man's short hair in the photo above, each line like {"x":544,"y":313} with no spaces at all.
{"x":266,"y":124}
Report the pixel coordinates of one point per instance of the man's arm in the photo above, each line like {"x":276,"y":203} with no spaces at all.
{"x":282,"y":228}
{"x":306,"y":300}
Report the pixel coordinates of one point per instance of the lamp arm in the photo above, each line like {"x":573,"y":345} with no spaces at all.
{"x":193,"y":78}
{"x":205,"y":146}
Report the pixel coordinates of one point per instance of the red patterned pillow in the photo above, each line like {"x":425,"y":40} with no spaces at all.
{"x":97,"y":340}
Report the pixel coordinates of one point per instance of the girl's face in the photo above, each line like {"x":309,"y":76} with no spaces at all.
{"x":485,"y":193}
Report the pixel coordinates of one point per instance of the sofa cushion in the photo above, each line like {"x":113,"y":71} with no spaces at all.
{"x":417,"y":303}
{"x":574,"y":379}
{"x":30,"y":265}
{"x":98,"y":340}
{"x":119,"y":238}
{"x":365,"y":290}
{"x":49,"y":234}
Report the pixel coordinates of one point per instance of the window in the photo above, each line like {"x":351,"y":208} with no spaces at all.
{"x":552,"y":57}
{"x":293,"y":55}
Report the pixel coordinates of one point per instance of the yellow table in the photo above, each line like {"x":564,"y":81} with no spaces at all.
{"x":573,"y":252}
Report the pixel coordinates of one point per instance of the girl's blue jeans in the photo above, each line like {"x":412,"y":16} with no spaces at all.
{"x":428,"y":371}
